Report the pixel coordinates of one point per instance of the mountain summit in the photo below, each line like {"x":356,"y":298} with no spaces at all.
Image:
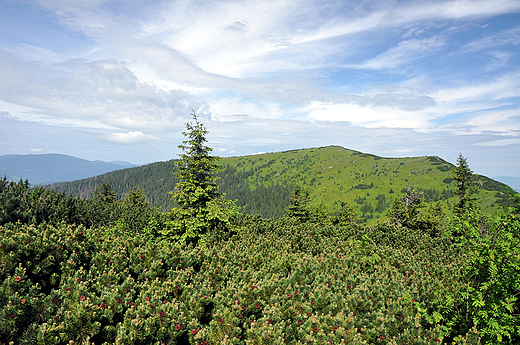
{"x":262,"y":184}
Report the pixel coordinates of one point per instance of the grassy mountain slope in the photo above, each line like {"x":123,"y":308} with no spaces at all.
{"x":263,"y":183}
{"x":333,"y":174}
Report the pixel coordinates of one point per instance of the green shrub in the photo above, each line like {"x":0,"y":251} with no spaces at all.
{"x":272,"y":282}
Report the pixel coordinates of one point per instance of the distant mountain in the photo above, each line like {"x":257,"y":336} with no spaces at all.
{"x":262,"y":184}
{"x":122,"y":164}
{"x":50,"y":168}
{"x":511,"y":181}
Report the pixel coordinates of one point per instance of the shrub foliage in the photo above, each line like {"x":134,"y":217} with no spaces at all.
{"x":272,"y":282}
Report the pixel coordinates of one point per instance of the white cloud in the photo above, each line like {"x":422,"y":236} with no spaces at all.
{"x":404,"y":151}
{"x":463,"y":8}
{"x":238,"y":26}
{"x":500,"y":142}
{"x":98,"y":94}
{"x":32,"y":114}
{"x":238,"y":38}
{"x":236,"y":109}
{"x":501,"y":122}
{"x":33,"y":53}
{"x":505,"y":86}
{"x":133,"y":137}
{"x":366,"y":116}
{"x":36,"y":150}
{"x":271,"y":36}
{"x":404,"y":53}
{"x":500,"y":59}
{"x":508,"y":36}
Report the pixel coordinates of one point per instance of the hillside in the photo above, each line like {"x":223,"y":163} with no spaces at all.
{"x":263,"y":183}
{"x":49,"y":168}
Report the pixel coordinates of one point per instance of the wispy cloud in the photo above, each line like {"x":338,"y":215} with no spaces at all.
{"x":30,"y":52}
{"x":133,"y":137}
{"x":404,"y":53}
{"x":367,"y":116}
{"x":500,"y":142}
{"x":264,"y":75}
{"x":505,"y":37}
{"x":499,"y":122}
{"x":502,"y":87}
{"x":500,"y":59}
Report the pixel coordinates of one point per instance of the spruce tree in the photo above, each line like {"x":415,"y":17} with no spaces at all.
{"x":465,"y":182}
{"x":105,"y":193}
{"x":201,"y":206}
{"x":346,"y":215}
{"x":299,"y":204}
{"x":197,"y":169}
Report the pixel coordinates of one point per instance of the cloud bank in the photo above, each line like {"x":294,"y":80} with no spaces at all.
{"x":392,"y":78}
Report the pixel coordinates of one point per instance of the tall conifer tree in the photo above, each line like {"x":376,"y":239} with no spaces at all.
{"x":197,"y":169}
{"x":201,"y":206}
{"x":465,"y":181}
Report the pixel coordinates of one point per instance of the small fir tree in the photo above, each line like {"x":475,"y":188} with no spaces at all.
{"x":299,"y":204}
{"x":466,"y":187}
{"x":137,"y":216}
{"x":320,"y":215}
{"x":201,"y":207}
{"x":135,"y":197}
{"x":346,"y":215}
{"x":105,"y":193}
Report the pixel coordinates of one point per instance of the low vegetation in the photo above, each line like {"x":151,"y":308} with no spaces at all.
{"x":112,"y":270}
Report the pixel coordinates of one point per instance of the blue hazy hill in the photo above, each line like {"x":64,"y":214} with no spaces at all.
{"x":50,"y":168}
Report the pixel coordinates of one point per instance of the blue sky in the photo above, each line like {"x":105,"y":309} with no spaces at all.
{"x":116,"y":80}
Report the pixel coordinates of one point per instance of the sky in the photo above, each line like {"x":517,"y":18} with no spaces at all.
{"x":118,"y":80}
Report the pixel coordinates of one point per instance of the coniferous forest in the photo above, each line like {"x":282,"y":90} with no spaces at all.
{"x":123,"y":269}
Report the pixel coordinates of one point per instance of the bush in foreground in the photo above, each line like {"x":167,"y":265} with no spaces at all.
{"x":274,"y":282}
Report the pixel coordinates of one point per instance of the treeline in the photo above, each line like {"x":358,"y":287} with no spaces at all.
{"x":20,"y":203}
{"x":260,"y":186}
{"x":157,"y":180}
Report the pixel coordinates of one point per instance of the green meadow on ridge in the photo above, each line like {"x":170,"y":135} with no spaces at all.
{"x":262,"y":184}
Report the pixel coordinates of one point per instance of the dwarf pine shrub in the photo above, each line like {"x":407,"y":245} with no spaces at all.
{"x":273,"y":282}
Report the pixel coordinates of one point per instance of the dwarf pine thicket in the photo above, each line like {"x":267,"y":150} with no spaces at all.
{"x":108,"y":271}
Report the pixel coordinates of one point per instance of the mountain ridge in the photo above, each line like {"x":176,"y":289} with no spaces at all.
{"x":54,"y":167}
{"x":333,"y":175}
{"x":511,"y":181}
